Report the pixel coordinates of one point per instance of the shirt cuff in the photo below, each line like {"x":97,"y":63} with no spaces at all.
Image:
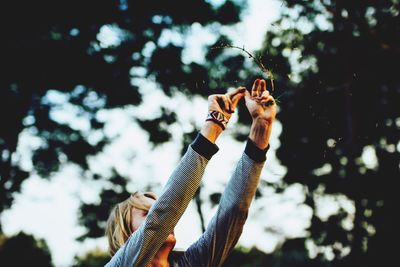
{"x":254,"y":152}
{"x":204,"y":147}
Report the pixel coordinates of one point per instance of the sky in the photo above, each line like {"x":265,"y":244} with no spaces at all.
{"x":48,"y":209}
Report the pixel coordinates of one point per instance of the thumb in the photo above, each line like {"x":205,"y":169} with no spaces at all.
{"x":236,"y":91}
{"x":247,"y":96}
{"x":236,"y":98}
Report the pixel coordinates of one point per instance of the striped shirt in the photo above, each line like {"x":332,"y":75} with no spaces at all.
{"x":223,"y":231}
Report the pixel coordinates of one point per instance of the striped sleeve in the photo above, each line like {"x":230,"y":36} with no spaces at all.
{"x":226,"y":226}
{"x":169,"y":207}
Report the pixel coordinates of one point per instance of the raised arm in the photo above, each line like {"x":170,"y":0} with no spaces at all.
{"x":142,"y":245}
{"x":262,"y":108}
{"x":226,"y":226}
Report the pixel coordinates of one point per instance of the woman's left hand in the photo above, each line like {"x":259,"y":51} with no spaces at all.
{"x":226,"y":103}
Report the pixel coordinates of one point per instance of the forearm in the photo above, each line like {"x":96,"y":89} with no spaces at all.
{"x":211,"y":131}
{"x":226,"y":226}
{"x":260,"y":132}
{"x":244,"y":181}
{"x":235,"y":201}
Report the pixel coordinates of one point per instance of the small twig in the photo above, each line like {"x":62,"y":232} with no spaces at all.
{"x":258,"y":61}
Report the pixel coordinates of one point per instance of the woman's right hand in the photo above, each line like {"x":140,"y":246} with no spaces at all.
{"x":224,"y":104}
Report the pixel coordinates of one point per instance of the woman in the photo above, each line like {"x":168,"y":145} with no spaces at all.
{"x":140,"y":230}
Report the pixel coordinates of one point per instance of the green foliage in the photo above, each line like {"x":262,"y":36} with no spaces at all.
{"x":335,"y":65}
{"x":341,"y":100}
{"x":93,"y":258}
{"x":24,"y":250}
{"x":56,"y":48}
{"x":248,"y":258}
{"x":293,"y":253}
{"x":94,"y":216}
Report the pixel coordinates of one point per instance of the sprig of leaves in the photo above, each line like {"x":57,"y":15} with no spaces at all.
{"x":256,"y":60}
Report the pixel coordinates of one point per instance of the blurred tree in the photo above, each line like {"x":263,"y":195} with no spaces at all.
{"x":93,"y":258}
{"x":340,"y":112}
{"x":293,"y":253}
{"x":334,"y":62}
{"x":248,"y":258}
{"x":88,"y":54}
{"x":24,"y":250}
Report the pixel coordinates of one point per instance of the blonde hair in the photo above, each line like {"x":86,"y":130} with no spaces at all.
{"x":119,"y":223}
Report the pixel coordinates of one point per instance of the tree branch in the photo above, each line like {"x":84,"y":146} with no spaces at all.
{"x":257,"y":60}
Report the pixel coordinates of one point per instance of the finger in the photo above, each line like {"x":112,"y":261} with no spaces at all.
{"x":247,"y":94}
{"x":266,"y":98}
{"x":254,"y":88}
{"x":220,"y":102}
{"x":231,"y":107}
{"x":239,"y":90}
{"x":265,"y":94}
{"x":268,"y":101}
{"x":237,"y":97}
{"x":263,"y":87}
{"x":247,"y":97}
{"x":260,"y":85}
{"x":226,"y":103}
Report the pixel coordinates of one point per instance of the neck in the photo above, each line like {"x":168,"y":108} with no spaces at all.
{"x":161,"y":257}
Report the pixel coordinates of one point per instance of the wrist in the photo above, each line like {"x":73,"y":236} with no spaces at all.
{"x":261,"y":122}
{"x":211,"y":131}
{"x":218,"y":118}
{"x":260,"y":132}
